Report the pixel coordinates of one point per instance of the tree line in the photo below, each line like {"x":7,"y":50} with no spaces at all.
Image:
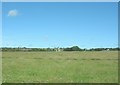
{"x":73,"y":48}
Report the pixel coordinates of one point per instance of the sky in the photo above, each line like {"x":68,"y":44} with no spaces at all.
{"x":57,"y":24}
{"x":0,"y":24}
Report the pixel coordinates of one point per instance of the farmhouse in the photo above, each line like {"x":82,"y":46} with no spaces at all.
{"x":58,"y":49}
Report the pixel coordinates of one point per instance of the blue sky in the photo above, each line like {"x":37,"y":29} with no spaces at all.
{"x":0,"y":24}
{"x":87,"y":25}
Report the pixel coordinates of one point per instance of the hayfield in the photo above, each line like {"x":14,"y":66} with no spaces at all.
{"x":60,"y":67}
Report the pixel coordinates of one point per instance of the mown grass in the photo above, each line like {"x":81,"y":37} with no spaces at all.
{"x":60,"y":67}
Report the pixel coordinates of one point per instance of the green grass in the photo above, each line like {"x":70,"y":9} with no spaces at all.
{"x":60,"y":67}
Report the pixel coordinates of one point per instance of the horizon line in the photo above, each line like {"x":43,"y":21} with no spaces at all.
{"x":58,"y":47}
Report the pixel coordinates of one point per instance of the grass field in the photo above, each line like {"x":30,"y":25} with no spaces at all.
{"x":60,"y":67}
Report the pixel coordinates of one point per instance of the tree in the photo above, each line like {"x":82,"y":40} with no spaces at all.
{"x":75,"y":48}
{"x":67,"y":49}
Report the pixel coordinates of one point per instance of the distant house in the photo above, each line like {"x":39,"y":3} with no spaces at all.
{"x":58,"y":49}
{"x":106,"y":49}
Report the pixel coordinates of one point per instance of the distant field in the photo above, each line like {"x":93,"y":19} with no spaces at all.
{"x":60,"y":67}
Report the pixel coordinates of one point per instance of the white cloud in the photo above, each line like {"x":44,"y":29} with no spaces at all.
{"x":13,"y":12}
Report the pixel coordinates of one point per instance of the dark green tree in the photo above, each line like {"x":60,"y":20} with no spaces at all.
{"x":75,"y":48}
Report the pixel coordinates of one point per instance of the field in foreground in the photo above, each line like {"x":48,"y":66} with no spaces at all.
{"x":60,"y":67}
